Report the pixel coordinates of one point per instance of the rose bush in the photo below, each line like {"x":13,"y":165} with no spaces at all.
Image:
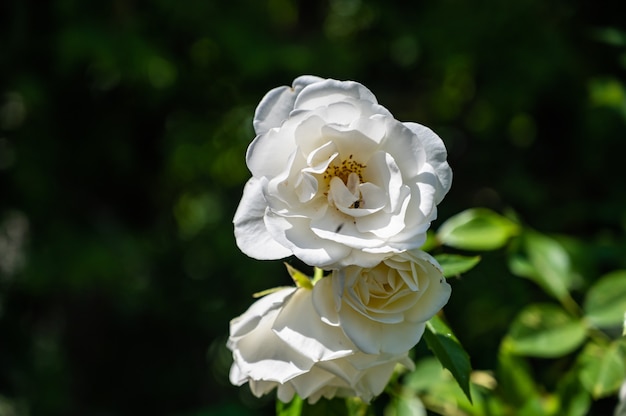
{"x":384,"y":309}
{"x":336,"y":180}
{"x":280,"y":342}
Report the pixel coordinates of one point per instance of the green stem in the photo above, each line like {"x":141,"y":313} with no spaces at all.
{"x":317,"y":274}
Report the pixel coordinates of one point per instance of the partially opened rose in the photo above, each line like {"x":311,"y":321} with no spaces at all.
{"x":383,"y":309}
{"x":336,"y":180}
{"x":281,"y":342}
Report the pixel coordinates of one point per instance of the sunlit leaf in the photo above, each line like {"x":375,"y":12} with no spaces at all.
{"x":605,"y":304}
{"x":431,"y":241}
{"x":428,"y":371}
{"x":455,"y":264}
{"x":545,"y":261}
{"x":603,"y":367}
{"x":477,"y":229}
{"x":545,"y":330}
{"x":405,"y":406}
{"x":449,"y":351}
{"x":437,"y":388}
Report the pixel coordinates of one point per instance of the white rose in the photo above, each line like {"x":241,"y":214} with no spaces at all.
{"x":383,"y":309}
{"x":280,"y":342}
{"x":336,"y":180}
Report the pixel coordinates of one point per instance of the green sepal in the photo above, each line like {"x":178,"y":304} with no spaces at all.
{"x":299,"y":278}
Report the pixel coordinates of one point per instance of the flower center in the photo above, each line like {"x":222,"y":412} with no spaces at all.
{"x":350,"y":173}
{"x":344,"y":169}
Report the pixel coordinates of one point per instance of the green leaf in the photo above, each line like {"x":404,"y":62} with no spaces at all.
{"x":574,"y":399}
{"x":405,"y":406}
{"x":357,"y":407}
{"x":477,"y":229}
{"x":545,"y":330}
{"x":427,"y":373}
{"x":603,"y":367}
{"x":515,"y":379}
{"x":431,"y":241}
{"x":333,"y":407}
{"x":449,"y":352}
{"x":454,"y":264}
{"x":293,"y":408}
{"x":546,"y":262}
{"x":437,"y":388}
{"x":299,"y":407}
{"x":605,"y":304}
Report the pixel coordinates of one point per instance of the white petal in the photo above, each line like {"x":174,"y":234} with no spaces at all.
{"x":261,"y":355}
{"x":311,"y":382}
{"x":387,"y":225}
{"x":435,"y":296}
{"x":246,"y":322}
{"x":306,"y":187}
{"x":361,"y":361}
{"x":405,"y":147}
{"x":320,"y":158}
{"x":298,"y":326}
{"x":262,"y":387}
{"x":436,"y":155}
{"x":251,"y":233}
{"x":350,"y":142}
{"x":375,"y":380}
{"x":295,"y":233}
{"x":265,"y":151}
{"x":285,"y":392}
{"x":325,"y":301}
{"x":276,"y":105}
{"x":339,"y":228}
{"x":339,"y":194}
{"x":326,"y":92}
{"x":373,"y":337}
{"x":341,"y":112}
{"x":373,"y":199}
{"x":367,"y":257}
{"x":308,"y":134}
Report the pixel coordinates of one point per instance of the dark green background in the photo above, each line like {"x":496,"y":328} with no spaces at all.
{"x":123,"y":129}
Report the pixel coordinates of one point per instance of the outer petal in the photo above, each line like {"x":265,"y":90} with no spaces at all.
{"x":436,"y":155}
{"x":295,"y":234}
{"x":259,"y":354}
{"x":299,"y":327}
{"x":373,"y":337}
{"x":250,"y":231}
{"x":246,"y":322}
{"x":276,"y":105}
{"x":326,"y":92}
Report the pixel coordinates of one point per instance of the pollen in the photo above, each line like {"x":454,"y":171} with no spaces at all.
{"x":344,"y":169}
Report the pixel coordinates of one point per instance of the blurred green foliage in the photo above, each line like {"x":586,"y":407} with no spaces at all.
{"x":123,"y":129}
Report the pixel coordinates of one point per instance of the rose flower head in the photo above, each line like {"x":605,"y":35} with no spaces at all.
{"x":336,"y":179}
{"x":281,"y":342}
{"x":384,"y":309}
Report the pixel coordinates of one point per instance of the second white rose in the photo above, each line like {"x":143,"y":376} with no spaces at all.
{"x":384,"y":309}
